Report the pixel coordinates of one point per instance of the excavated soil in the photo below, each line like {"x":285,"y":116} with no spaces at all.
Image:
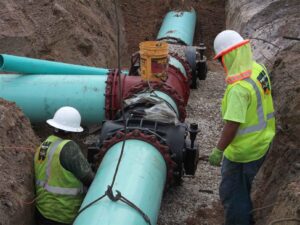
{"x":17,"y":145}
{"x":278,"y":184}
{"x":80,"y":32}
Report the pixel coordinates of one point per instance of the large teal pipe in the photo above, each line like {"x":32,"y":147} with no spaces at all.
{"x":39,"y":96}
{"x":141,"y":178}
{"x":24,"y":65}
{"x":179,"y":25}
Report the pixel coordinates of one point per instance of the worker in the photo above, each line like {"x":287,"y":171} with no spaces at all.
{"x":247,"y":109}
{"x":61,"y":171}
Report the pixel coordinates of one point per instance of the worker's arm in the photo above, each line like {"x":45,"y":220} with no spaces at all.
{"x":228,"y":134}
{"x":238,"y":100}
{"x":72,"y":159}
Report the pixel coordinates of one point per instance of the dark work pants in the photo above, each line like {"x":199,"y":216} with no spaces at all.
{"x":235,"y":189}
{"x":41,"y":220}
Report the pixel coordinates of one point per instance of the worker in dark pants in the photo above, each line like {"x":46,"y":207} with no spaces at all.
{"x":61,"y":171}
{"x":247,"y":109}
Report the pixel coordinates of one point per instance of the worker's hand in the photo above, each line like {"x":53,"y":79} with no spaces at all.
{"x":215,"y":157}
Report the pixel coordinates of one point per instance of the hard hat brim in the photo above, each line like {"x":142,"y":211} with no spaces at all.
{"x":52,"y":123}
{"x":231,"y":48}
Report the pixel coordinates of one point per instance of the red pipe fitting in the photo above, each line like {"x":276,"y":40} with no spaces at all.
{"x":176,"y":86}
{"x":112,"y":96}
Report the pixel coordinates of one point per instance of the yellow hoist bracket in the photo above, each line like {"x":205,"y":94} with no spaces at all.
{"x":154,"y":60}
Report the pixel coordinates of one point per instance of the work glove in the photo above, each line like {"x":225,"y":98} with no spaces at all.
{"x":215,"y":157}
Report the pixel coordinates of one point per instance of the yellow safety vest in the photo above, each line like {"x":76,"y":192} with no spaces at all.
{"x":59,"y":192}
{"x":255,"y":135}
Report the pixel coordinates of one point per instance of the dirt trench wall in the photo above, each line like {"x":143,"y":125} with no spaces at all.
{"x":277,"y":188}
{"x":268,"y":20}
{"x":80,"y":32}
{"x":17,"y":145}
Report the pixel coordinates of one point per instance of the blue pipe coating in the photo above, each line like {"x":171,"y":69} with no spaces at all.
{"x":141,"y":178}
{"x":179,"y":25}
{"x":175,"y":62}
{"x":39,"y":96}
{"x":24,"y":65}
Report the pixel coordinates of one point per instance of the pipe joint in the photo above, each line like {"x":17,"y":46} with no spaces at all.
{"x":140,"y":135}
{"x":179,"y":83}
{"x":184,"y":63}
{"x":132,"y":85}
{"x":163,"y":87}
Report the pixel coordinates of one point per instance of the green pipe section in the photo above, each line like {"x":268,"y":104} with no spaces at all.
{"x":25,"y":65}
{"x":141,"y":178}
{"x":179,"y":25}
{"x":39,"y":96}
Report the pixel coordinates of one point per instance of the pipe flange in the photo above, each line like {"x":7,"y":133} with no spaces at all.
{"x":109,"y":111}
{"x":185,"y":64}
{"x":139,"y":135}
{"x":183,"y":82}
{"x":111,"y":106}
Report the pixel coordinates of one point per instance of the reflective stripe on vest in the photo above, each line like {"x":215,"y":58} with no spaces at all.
{"x":50,"y":156}
{"x":53,"y":189}
{"x":270,"y":115}
{"x":59,"y":190}
{"x":260,"y":112}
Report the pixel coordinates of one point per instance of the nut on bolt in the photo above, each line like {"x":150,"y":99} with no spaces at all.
{"x":136,"y":133}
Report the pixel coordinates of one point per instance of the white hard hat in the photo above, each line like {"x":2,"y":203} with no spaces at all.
{"x":227,"y":40}
{"x":66,"y":118}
